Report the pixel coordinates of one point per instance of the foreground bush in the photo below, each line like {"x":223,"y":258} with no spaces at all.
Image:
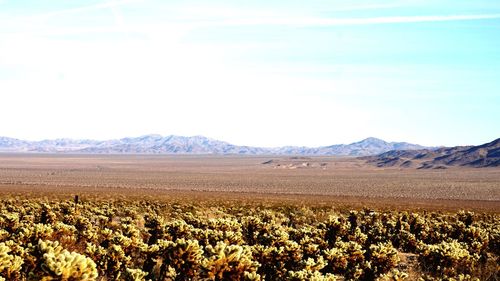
{"x":147,"y":240}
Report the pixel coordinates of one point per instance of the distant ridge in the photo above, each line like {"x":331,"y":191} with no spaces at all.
{"x":157,"y":144}
{"x":485,"y":155}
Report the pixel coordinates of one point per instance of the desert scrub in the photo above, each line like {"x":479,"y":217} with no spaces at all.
{"x":57,"y":263}
{"x":447,"y":259}
{"x":230,"y":262}
{"x":135,"y":275}
{"x":197,"y":240}
{"x":9,"y":264}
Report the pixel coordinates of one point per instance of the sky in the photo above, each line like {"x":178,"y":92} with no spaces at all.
{"x":262,"y":72}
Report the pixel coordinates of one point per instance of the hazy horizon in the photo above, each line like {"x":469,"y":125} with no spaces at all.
{"x":262,"y":73}
{"x":242,"y":144}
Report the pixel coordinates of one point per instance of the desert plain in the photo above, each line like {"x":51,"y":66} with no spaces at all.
{"x":338,"y":181}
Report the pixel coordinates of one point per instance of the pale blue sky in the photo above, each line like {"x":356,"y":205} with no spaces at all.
{"x":265,"y":73}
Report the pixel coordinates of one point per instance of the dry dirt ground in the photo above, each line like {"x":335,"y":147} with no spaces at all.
{"x":305,"y":180}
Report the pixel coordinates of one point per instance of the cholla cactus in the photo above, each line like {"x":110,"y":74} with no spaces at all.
{"x":4,"y":234}
{"x":459,"y":277}
{"x":229,"y":262}
{"x":60,"y":264}
{"x":337,"y":259}
{"x":9,"y":264}
{"x":383,"y":257}
{"x":347,"y":258}
{"x":41,"y":231}
{"x":9,"y":221}
{"x":494,"y":240}
{"x":47,"y":216}
{"x":277,"y":260}
{"x":180,"y":240}
{"x":335,"y":228}
{"x":393,"y":275}
{"x":308,"y":275}
{"x":135,"y":275}
{"x":178,"y":229}
{"x":447,"y":258}
{"x":251,"y":276}
{"x":184,"y":256}
{"x":358,"y":236}
{"x":314,"y":265}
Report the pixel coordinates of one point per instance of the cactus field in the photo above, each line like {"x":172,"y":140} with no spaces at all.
{"x":56,"y":226}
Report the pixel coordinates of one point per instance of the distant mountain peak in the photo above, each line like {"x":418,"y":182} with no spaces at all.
{"x":153,"y":136}
{"x":173,"y":144}
{"x":372,"y":140}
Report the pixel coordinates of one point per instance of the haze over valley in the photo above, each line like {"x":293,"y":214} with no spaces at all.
{"x":157,"y":144}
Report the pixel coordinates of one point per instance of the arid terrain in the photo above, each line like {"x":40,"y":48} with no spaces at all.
{"x":158,"y":217}
{"x":311,"y":180}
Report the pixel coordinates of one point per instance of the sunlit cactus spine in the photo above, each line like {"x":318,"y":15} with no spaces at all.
{"x":308,"y":275}
{"x":383,"y":258}
{"x":148,"y":240}
{"x":135,"y":275}
{"x":60,"y":264}
{"x":393,"y":275}
{"x":9,"y":264}
{"x":346,"y":258}
{"x":229,"y":262}
{"x":184,"y":257}
{"x":447,"y":258}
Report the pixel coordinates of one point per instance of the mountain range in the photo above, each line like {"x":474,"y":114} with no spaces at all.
{"x":485,"y":155}
{"x":157,"y":144}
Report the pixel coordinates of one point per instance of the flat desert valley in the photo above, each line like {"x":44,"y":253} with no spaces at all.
{"x":341,"y":181}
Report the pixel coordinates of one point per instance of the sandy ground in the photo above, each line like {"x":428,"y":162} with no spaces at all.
{"x":298,"y":180}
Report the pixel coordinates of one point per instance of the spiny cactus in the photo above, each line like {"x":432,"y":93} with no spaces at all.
{"x":448,"y":258}
{"x":347,"y":258}
{"x":9,"y":264}
{"x":135,"y":275}
{"x":60,"y":264}
{"x":229,"y":262}
{"x":308,"y":275}
{"x":383,"y":257}
{"x":128,"y":239}
{"x":184,"y":256}
{"x":393,"y":275}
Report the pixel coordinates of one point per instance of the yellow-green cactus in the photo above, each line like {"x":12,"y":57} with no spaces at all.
{"x":309,"y":275}
{"x":206,"y":241}
{"x":60,"y":264}
{"x":393,"y":275}
{"x":9,"y":264}
{"x":135,"y":275}
{"x":229,"y":262}
{"x":449,"y":258}
{"x":383,"y":257}
{"x":184,"y":256}
{"x":251,"y":276}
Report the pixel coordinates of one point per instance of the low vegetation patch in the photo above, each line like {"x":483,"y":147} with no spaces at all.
{"x":43,"y":239}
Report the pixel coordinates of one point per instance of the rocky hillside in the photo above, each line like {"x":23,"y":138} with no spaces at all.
{"x":485,"y":155}
{"x":156,"y":144}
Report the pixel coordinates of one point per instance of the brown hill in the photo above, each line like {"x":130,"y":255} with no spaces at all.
{"x":485,"y":155}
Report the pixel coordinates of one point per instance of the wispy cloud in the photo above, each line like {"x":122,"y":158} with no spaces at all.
{"x":35,"y":24}
{"x":81,"y":9}
{"x":181,"y":26}
{"x":367,"y":7}
{"x":314,"y":21}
